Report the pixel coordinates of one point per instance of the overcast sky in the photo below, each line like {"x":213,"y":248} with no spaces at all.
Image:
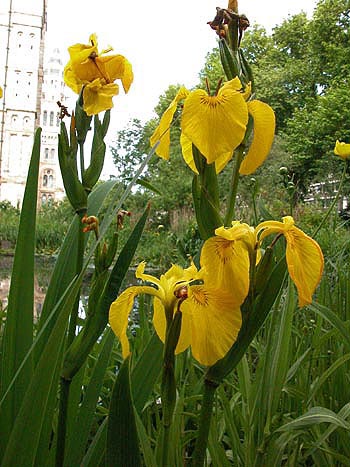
{"x":166,"y":42}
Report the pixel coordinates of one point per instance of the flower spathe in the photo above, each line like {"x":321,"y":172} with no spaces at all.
{"x":96,"y":74}
{"x":303,"y":255}
{"x":217,"y":125}
{"x":211,"y":317}
{"x":342,"y":150}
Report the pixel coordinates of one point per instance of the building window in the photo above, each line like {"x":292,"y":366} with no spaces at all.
{"x":52,"y":116}
{"x":45,"y":180}
{"x":46,"y":152}
{"x":45,"y":117}
{"x":50,"y":181}
{"x":43,"y":199}
{"x":52,"y":153}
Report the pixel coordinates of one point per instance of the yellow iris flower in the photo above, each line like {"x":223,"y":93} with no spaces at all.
{"x":95,"y":73}
{"x":211,"y":316}
{"x":227,"y":255}
{"x":216,"y":125}
{"x":342,"y":150}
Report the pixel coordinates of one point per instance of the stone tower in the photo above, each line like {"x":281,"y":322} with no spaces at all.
{"x":27,"y":100}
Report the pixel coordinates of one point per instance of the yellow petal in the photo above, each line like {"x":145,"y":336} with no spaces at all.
{"x":222,"y":161}
{"x":305,"y":263}
{"x":264,"y":131}
{"x":227,"y":265}
{"x":97,"y":96}
{"x":186,"y":146}
{"x":303,"y":254}
{"x":0,"y":92}
{"x":117,"y":67}
{"x":159,"y":323}
{"x":215,"y":322}
{"x":162,"y":133}
{"x":216,"y":125}
{"x":119,"y":313}
{"x":342,"y":150}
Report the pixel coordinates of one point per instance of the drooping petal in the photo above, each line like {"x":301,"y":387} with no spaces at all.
{"x":117,"y":67}
{"x":119,"y":313}
{"x":97,"y":96}
{"x":342,"y":149}
{"x":215,"y":124}
{"x":264,"y":131}
{"x":227,"y":265}
{"x":162,"y":132}
{"x":222,"y":161}
{"x":303,"y":254}
{"x":159,"y":323}
{"x":215,"y":322}
{"x":186,"y":147}
{"x":305,"y":263}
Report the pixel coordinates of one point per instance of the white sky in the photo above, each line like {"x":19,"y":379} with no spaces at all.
{"x":166,"y":42}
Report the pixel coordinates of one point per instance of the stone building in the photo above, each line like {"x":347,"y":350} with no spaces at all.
{"x":31,"y":88}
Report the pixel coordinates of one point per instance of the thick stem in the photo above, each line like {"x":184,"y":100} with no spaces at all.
{"x":82,"y":163}
{"x":168,"y":387}
{"x":79,"y":264}
{"x":204,"y":424}
{"x":65,"y":383}
{"x":62,"y":421}
{"x":234,"y":187}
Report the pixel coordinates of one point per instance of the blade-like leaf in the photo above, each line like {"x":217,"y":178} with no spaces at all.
{"x":18,"y":332}
{"x":122,"y":438}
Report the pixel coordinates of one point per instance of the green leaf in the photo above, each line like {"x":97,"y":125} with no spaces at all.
{"x":122,"y":438}
{"x":313,"y":417}
{"x":23,"y":442}
{"x":18,"y":332}
{"x":334,"y":320}
{"x":81,"y":430}
{"x":146,"y":372}
{"x":148,"y":185}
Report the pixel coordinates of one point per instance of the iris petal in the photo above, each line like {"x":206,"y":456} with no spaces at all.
{"x":120,"y":310}
{"x":215,"y":322}
{"x":162,"y":134}
{"x":342,"y":150}
{"x":227,"y":263}
{"x":159,"y":323}
{"x":216,"y":125}
{"x":264,"y":131}
{"x":305,"y":263}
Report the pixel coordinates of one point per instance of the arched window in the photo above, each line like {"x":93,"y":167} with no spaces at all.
{"x":52,"y":153}
{"x":46,"y":152}
{"x":52,"y":116}
{"x":45,"y":180}
{"x":50,"y":181}
{"x":43,"y":199}
{"x":44,"y":118}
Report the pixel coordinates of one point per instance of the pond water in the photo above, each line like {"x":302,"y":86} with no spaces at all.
{"x":43,"y":268}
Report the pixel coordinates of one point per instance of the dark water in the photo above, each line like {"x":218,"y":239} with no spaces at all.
{"x":43,"y":269}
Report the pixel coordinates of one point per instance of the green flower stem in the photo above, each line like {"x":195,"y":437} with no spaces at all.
{"x":79,"y":265}
{"x":204,"y":424}
{"x":65,"y":383}
{"x":62,"y":421}
{"x":330,"y":209}
{"x":234,"y":186}
{"x":168,"y":387}
{"x":82,"y":163}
